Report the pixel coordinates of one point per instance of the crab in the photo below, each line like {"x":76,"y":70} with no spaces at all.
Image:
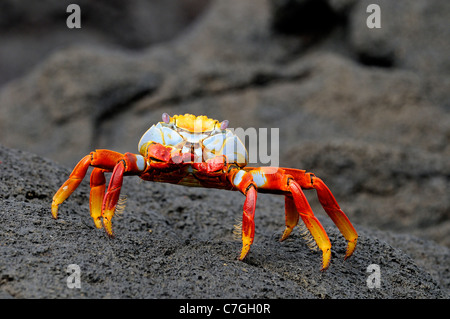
{"x":198,"y":151}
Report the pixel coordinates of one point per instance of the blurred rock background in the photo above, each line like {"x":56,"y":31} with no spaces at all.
{"x":367,"y":110}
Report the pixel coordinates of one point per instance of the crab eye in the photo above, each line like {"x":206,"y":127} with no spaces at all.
{"x":224,"y":125}
{"x":166,"y":118}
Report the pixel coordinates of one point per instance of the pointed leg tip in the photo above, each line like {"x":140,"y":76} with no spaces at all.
{"x":241,"y":257}
{"x":55,"y":211}
{"x":98,"y":223}
{"x":108,"y":228}
{"x":350,"y":249}
{"x":110,"y":234}
{"x":244,"y":252}
{"x":325,"y":264}
{"x":326,"y":259}
{"x":286,"y":234}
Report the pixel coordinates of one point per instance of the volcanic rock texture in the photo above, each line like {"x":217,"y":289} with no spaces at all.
{"x":367,"y":110}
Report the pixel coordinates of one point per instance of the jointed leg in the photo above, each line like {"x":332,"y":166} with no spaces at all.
{"x":112,"y":196}
{"x":130,"y":164}
{"x":248,"y":221}
{"x":329,"y":204}
{"x":311,"y":222}
{"x":71,"y":184}
{"x":333,"y":210}
{"x":243,"y":181}
{"x":280,"y":180}
{"x":101,"y":205}
{"x":100,"y":158}
{"x":292,"y":216}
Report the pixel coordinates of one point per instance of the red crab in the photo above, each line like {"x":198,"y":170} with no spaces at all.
{"x":198,"y":151}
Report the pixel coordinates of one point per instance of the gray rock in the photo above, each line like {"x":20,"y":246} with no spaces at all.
{"x":32,"y":31}
{"x":177,"y":242}
{"x":411,"y":37}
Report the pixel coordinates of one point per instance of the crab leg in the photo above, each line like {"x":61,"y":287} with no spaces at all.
{"x":71,"y":184}
{"x":248,"y":221}
{"x":243,"y":182}
{"x":292,"y":216}
{"x":112,"y":197}
{"x":329,"y":204}
{"x":97,"y":194}
{"x":130,"y":164}
{"x":311,"y":222}
{"x":101,"y":205}
{"x":100,"y":158}
{"x":290,"y":183}
{"x":333,"y":210}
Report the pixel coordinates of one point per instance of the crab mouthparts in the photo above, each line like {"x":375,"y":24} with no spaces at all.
{"x":194,"y":149}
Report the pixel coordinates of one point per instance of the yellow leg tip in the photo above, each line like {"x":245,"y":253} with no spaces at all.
{"x":55,"y":211}
{"x":244,"y":252}
{"x":98,"y":223}
{"x":350,"y":249}
{"x":247,"y":241}
{"x":108,"y":227}
{"x":242,"y":256}
{"x":286,"y":233}
{"x":326,"y":259}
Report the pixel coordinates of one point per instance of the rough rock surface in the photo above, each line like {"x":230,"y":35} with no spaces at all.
{"x":31,"y":30}
{"x":177,"y":242}
{"x":364,"y":109}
